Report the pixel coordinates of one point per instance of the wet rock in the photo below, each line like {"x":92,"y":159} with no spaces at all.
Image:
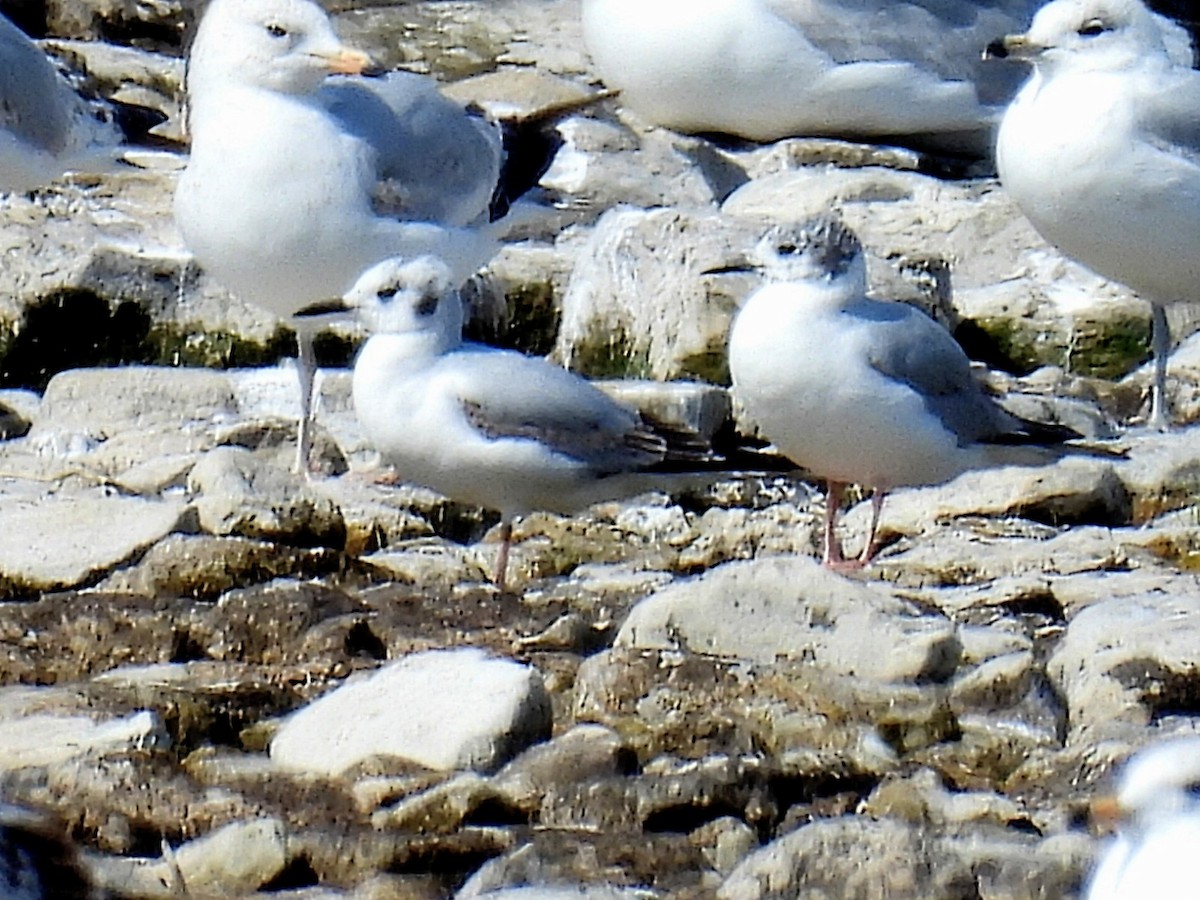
{"x":204,"y":566}
{"x":445,"y":710}
{"x":62,"y":541}
{"x":794,"y":608}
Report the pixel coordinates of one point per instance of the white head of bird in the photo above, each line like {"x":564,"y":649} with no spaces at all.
{"x":1159,"y":783}
{"x":409,"y":297}
{"x":1085,"y":36}
{"x":822,"y":252}
{"x":288,"y":46}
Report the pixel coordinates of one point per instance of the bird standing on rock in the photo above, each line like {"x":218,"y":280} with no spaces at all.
{"x":487,"y":426}
{"x":297,"y":182}
{"x":1101,"y":151}
{"x":858,"y":390}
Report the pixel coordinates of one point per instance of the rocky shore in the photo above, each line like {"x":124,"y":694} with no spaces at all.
{"x":225,"y":681}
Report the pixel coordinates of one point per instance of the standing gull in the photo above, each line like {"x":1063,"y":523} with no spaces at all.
{"x":1157,"y":807}
{"x":297,"y":183}
{"x":487,"y":426}
{"x":858,"y":390}
{"x":1101,"y":151}
{"x":46,"y":129}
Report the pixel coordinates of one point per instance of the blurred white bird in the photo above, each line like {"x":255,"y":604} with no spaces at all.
{"x":857,"y":390}
{"x":767,"y":69}
{"x":46,"y":128}
{"x":1101,"y":151}
{"x":297,"y":184}
{"x":1157,"y":808}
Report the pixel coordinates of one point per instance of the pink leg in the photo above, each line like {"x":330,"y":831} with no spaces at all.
{"x":500,"y":575}
{"x":868,"y":550}
{"x":832,"y":557}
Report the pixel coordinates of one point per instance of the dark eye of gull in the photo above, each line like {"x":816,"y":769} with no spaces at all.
{"x":277,"y":31}
{"x":1092,"y":28}
{"x":1192,"y":789}
{"x":788,"y":249}
{"x":386,"y":295}
{"x":427,"y":305}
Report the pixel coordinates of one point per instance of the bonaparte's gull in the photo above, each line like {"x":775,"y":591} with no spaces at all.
{"x":858,"y":390}
{"x":483,"y":425}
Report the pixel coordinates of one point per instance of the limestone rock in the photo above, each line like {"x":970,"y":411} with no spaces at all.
{"x":1125,"y":660}
{"x":793,"y":608}
{"x":638,"y":302}
{"x":67,"y":540}
{"x":41,"y":729}
{"x":239,"y":494}
{"x":441,"y":709}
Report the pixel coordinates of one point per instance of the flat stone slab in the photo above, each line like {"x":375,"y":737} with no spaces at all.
{"x":58,"y":542}
{"x":455,"y":709}
{"x":793,"y":608}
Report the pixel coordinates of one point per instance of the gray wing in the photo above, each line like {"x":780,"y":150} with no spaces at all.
{"x":33,"y":98}
{"x":507,"y":395}
{"x":909,"y":347}
{"x":1170,"y":113}
{"x":435,"y":161}
{"x":944,"y":37}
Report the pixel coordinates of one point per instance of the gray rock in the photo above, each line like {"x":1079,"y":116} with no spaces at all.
{"x":235,"y":859}
{"x":239,"y":494}
{"x":863,"y":859}
{"x":1126,"y":660}
{"x":584,"y":752}
{"x":204,"y":566}
{"x":441,"y":709}
{"x":794,"y":608}
{"x":61,"y":541}
{"x":41,"y":728}
{"x":638,"y":302}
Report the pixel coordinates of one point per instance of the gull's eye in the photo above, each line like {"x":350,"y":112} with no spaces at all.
{"x":386,"y":295}
{"x":1092,"y":28}
{"x":277,"y":31}
{"x":427,"y":306}
{"x":1192,"y":789}
{"x":788,"y":249}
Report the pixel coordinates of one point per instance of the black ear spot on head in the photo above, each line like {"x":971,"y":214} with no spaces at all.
{"x":427,"y":305}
